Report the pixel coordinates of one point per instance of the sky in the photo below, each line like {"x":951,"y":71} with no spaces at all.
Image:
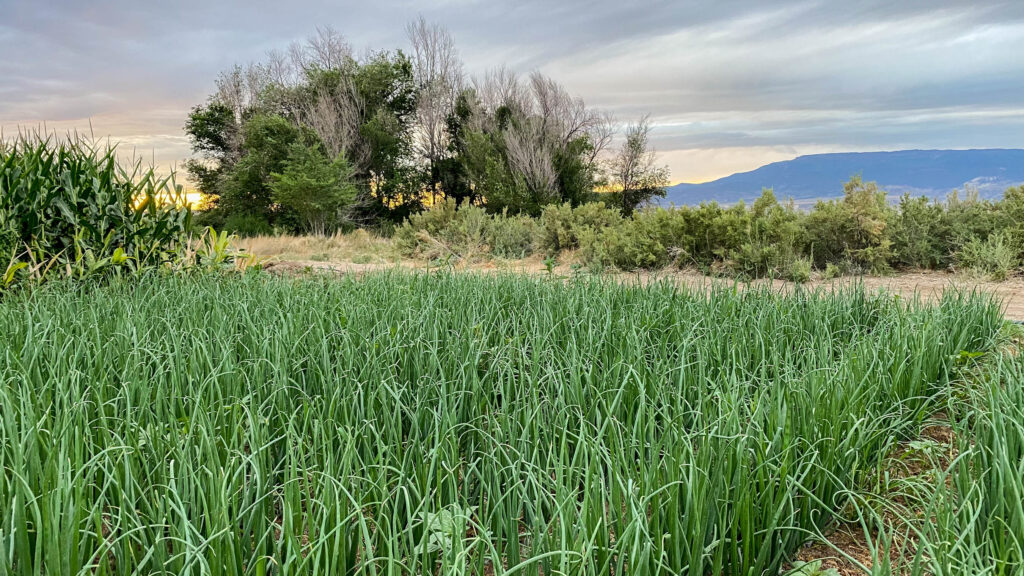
{"x":729,"y":85}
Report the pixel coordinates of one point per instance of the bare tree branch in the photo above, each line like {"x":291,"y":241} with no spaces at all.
{"x":326,"y":50}
{"x":439,"y":76}
{"x":529,"y":156}
{"x":633,"y":169}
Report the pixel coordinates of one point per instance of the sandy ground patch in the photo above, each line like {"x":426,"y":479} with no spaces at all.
{"x":926,"y":285}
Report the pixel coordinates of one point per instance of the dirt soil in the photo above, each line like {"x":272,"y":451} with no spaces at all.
{"x":926,"y":285}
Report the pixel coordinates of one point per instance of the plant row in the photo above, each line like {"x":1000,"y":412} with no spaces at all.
{"x":864,"y":231}
{"x":453,"y":424}
{"x":72,"y":208}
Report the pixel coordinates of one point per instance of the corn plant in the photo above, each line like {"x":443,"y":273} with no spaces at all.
{"x":71,"y":203}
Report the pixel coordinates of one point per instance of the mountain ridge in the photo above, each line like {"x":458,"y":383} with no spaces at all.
{"x":933,"y":173}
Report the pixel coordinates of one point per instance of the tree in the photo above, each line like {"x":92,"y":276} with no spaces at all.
{"x":437,"y":71}
{"x":213,"y":132}
{"x":314,"y":189}
{"x":853,"y":229}
{"x":521,"y":146}
{"x":634,"y":173}
{"x":385,"y":87}
{"x":407,"y":126}
{"x":245,"y":187}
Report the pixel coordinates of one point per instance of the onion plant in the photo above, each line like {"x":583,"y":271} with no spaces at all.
{"x":974,"y":521}
{"x":452,"y":424}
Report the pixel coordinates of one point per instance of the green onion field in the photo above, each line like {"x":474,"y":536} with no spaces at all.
{"x":401,"y":424}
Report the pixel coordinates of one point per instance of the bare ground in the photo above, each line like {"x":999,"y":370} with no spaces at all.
{"x":926,"y":285}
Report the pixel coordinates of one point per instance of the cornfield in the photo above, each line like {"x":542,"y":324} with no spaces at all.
{"x":70,"y":205}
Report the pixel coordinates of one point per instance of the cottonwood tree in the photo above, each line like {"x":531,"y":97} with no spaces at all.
{"x":531,"y":157}
{"x":500,"y":88}
{"x":363,"y":110}
{"x":325,"y":50}
{"x":439,"y":79}
{"x":530,"y":143}
{"x":335,"y":112}
{"x":634,"y":173}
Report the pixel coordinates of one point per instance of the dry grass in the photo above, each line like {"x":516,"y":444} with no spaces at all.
{"x":359,"y":247}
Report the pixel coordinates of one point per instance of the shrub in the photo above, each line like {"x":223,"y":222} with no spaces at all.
{"x":1012,"y":208}
{"x":968,"y":216}
{"x":854,"y":228}
{"x":420,"y":227}
{"x":314,"y":189}
{"x":511,"y":236}
{"x":626,"y":247}
{"x":465,"y":232}
{"x":994,"y":258}
{"x":71,"y":205}
{"x":560,"y":225}
{"x":799,"y":270}
{"x":920,"y":236}
{"x":554,"y":228}
{"x":247,"y":225}
{"x":760,"y":259}
{"x":670,"y":227}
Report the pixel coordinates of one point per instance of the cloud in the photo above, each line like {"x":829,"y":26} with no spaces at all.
{"x":728,"y":83}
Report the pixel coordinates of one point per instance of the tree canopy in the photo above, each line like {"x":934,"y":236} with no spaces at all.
{"x":390,"y":132}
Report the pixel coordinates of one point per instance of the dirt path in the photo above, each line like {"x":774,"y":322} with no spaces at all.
{"x":928,"y":285}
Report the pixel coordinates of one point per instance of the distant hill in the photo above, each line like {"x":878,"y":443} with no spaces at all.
{"x":932,"y":173}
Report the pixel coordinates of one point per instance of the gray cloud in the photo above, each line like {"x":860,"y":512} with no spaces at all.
{"x":774,"y":78}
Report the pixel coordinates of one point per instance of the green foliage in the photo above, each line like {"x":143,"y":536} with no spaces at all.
{"x":343,"y":140}
{"x":968,"y":217}
{"x":210,"y":129}
{"x":213,"y":132}
{"x":457,"y":424}
{"x":70,"y":205}
{"x":813,"y":568}
{"x":243,"y":224}
{"x":239,"y":150}
{"x":799,"y":270}
{"x":387,"y":94}
{"x":482,"y":168}
{"x":511,"y":236}
{"x":628,"y":246}
{"x":560,"y":226}
{"x":422,"y":228}
{"x":266,"y":141}
{"x":10,"y":239}
{"x":995,"y":258}
{"x":770,"y":234}
{"x":974,"y":516}
{"x":467,"y":232}
{"x":854,"y":228}
{"x":920,"y":234}
{"x":1012,"y":209}
{"x":860,"y":232}
{"x":577,"y":176}
{"x":635,"y":176}
{"x":315,"y":189}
